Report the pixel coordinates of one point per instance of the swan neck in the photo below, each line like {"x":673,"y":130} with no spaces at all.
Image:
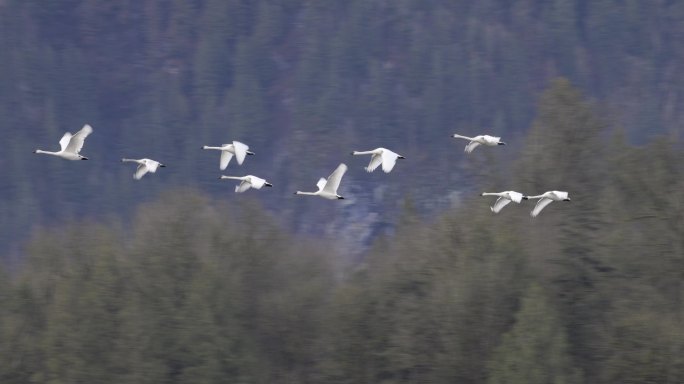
{"x":462,"y":137}
{"x":208,"y":147}
{"x":46,"y":152}
{"x":491,"y":194}
{"x":355,"y":153}
{"x":306,"y":193}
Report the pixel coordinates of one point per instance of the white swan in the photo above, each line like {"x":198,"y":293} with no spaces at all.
{"x":237,"y":148}
{"x":477,"y":140}
{"x":144,"y":166}
{"x":504,"y":198}
{"x":327,"y":189}
{"x":248,"y":182}
{"x":545,"y":199}
{"x":71,"y":145}
{"x":380,"y":156}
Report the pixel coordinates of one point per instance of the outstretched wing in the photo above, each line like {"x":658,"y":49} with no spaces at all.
{"x":389,"y":158}
{"x":335,"y":178}
{"x":225,"y":159}
{"x":140,"y":172}
{"x":500,"y":203}
{"x":244,"y":185}
{"x":321,"y":183}
{"x":543,"y":202}
{"x":240,"y":151}
{"x":472,"y":145}
{"x":375,"y":161}
{"x":64,"y":141}
{"x":77,"y":140}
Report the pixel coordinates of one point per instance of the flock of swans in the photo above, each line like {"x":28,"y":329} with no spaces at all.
{"x":71,"y":145}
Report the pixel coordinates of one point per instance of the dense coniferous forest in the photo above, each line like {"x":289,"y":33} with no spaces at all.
{"x":411,"y":279}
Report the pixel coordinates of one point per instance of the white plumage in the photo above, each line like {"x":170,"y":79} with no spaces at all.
{"x":477,"y":140}
{"x":247,"y":182}
{"x":144,"y":166}
{"x":505,"y":197}
{"x":71,"y":145}
{"x":237,"y":149}
{"x":380,"y":156}
{"x":327,"y":189}
{"x":545,"y":199}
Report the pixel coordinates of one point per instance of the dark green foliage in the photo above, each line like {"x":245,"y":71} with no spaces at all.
{"x":191,"y":290}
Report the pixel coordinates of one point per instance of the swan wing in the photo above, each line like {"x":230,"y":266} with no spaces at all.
{"x":500,"y":203}
{"x":515,"y":196}
{"x":225,"y":159}
{"x":77,"y":140}
{"x":543,"y":202}
{"x":64,"y":141}
{"x":240,"y":151}
{"x":140,"y":172}
{"x":472,"y":145}
{"x":244,"y":185}
{"x":376,"y":160}
{"x":389,"y":159}
{"x":321,"y":183}
{"x":334,"y":179}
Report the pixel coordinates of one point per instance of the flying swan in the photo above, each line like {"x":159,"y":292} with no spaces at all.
{"x":504,"y":198}
{"x":248,"y":182}
{"x":477,"y":140}
{"x":327,"y":189}
{"x":71,"y":145}
{"x":380,"y":156}
{"x":237,"y":148}
{"x":144,"y":166}
{"x":545,"y":199}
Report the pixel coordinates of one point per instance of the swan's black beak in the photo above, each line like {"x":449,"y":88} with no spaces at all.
{"x":482,"y":194}
{"x":35,"y":151}
{"x":268,"y":184}
{"x":84,"y":158}
{"x":351,"y":153}
{"x":501,"y":143}
{"x":162,"y":165}
{"x":401,"y":157}
{"x":250,"y":153}
{"x":525,"y":198}
{"x":340,"y":198}
{"x":568,"y":199}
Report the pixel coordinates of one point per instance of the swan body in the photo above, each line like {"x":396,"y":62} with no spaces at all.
{"x":479,"y":140}
{"x":504,"y":198}
{"x":327,"y":188}
{"x":144,"y":166}
{"x":71,"y":145}
{"x":545,"y":199}
{"x":248,"y":182}
{"x":238,"y":149}
{"x":380,"y":156}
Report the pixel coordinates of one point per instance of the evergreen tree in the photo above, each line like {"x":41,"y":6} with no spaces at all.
{"x":535,"y":350}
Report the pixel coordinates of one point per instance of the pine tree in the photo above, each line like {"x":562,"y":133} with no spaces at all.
{"x":536,"y":349}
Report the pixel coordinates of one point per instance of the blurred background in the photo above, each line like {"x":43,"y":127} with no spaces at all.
{"x":411,"y":278}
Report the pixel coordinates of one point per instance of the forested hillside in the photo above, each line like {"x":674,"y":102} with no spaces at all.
{"x":411,"y":278}
{"x":197,"y":290}
{"x":304,"y":83}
